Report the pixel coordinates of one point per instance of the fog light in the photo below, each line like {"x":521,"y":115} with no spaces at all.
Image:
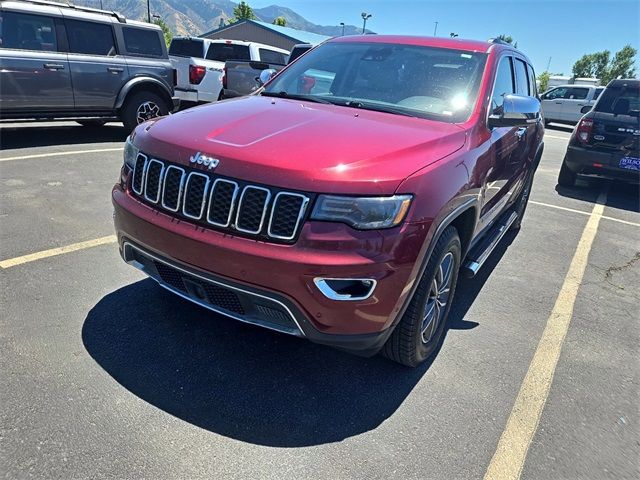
{"x":346,"y":289}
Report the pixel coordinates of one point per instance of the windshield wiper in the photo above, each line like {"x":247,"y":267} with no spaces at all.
{"x":294,"y":96}
{"x":376,"y":107}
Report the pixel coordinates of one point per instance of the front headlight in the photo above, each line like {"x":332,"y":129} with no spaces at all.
{"x":130,"y":153}
{"x":365,"y":213}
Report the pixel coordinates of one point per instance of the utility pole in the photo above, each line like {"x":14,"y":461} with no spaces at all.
{"x":435,"y":29}
{"x":365,"y":17}
{"x":549,"y":64}
{"x":148,"y":12}
{"x":342,"y":24}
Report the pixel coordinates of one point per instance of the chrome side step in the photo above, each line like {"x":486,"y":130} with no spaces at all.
{"x":480,"y":253}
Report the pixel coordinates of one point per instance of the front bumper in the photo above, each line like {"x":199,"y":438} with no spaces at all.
{"x":285,"y":273}
{"x":587,"y":161}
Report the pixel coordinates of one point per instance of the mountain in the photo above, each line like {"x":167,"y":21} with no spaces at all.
{"x":194,"y":17}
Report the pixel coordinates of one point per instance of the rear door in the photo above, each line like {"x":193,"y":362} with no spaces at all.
{"x":98,"y":70}
{"x":616,"y":125}
{"x":574,"y":99}
{"x":34,"y":70}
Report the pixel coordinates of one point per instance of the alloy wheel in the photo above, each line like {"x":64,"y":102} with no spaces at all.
{"x":147,"y":111}
{"x":437,"y":298}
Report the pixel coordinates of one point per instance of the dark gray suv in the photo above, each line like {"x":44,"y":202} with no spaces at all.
{"x":64,"y":61}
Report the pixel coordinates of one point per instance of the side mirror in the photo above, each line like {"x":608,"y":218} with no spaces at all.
{"x":586,"y":108}
{"x":266,"y":75}
{"x":517,"y":111}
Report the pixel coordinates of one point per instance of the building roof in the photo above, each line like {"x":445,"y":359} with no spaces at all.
{"x":299,"y":36}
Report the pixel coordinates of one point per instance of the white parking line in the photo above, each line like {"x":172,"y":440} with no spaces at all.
{"x":557,"y":138}
{"x":55,"y":154}
{"x":572,"y":210}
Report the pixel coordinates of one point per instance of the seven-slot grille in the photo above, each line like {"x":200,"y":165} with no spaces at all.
{"x":220,"y":203}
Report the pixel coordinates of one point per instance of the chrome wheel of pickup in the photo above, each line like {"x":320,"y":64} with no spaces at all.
{"x":437,"y":298}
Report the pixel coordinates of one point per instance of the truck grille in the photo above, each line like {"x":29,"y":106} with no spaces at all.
{"x":219,"y":203}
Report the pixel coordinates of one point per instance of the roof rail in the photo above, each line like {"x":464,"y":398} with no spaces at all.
{"x":499,"y":41}
{"x":111,"y":13}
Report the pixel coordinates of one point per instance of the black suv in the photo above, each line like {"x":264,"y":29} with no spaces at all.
{"x":606,"y":141}
{"x":64,"y":61}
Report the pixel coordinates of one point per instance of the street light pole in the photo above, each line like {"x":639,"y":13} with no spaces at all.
{"x":435,"y":30}
{"x":148,"y":12}
{"x":365,"y":17}
{"x":342,"y":24}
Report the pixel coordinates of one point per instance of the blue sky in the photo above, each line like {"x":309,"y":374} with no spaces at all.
{"x":561,"y":29}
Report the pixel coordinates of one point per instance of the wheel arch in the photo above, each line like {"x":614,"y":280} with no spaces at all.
{"x":139,"y":84}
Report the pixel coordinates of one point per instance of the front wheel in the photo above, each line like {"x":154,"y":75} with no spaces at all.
{"x":420,"y":330}
{"x":140,"y":107}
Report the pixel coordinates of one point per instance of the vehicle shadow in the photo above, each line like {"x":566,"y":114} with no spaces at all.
{"x":245,"y":382}
{"x":39,"y":135}
{"x":620,"y":195}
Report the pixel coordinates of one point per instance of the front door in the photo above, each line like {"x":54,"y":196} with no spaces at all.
{"x":552,"y":103}
{"x":34,"y":75}
{"x":575,"y":99}
{"x":98,"y":71}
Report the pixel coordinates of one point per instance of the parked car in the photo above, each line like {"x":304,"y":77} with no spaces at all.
{"x":200,"y":64}
{"x":64,"y":61}
{"x":341,"y":215}
{"x":562,"y":104}
{"x":606,"y":141}
{"x":243,"y":77}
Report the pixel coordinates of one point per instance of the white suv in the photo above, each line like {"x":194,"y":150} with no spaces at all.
{"x":199,"y":63}
{"x":562,"y":104}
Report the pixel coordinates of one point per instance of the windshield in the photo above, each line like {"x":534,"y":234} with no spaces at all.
{"x":435,"y":83}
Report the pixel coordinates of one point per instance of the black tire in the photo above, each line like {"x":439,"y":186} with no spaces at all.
{"x":523,"y":201}
{"x":140,"y":107}
{"x":566,"y":177}
{"x":91,"y":123}
{"x":406,"y":344}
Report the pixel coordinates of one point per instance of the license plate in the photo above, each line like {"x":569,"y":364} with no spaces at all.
{"x":630,"y":163}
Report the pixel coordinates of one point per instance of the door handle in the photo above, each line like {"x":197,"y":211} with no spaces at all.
{"x":558,"y":103}
{"x":521,"y":132}
{"x":115,"y":70}
{"x":53,"y":66}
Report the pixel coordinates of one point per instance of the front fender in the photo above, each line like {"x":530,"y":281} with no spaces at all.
{"x":137,"y":81}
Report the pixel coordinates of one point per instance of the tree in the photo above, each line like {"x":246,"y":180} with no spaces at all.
{"x":243,"y":12}
{"x":543,"y":78}
{"x":281,"y":21}
{"x":601,"y":65}
{"x":622,"y":64}
{"x":166,"y":31}
{"x":508,"y":39}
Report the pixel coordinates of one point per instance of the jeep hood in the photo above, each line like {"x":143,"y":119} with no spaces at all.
{"x":301,"y":145}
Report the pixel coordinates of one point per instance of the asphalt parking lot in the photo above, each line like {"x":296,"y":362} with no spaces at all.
{"x":104,"y":374}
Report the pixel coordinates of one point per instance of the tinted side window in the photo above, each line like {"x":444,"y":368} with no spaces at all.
{"x":270,"y":56}
{"x":503,"y":85}
{"x":522,"y":82}
{"x":140,"y":41}
{"x":221,"y":52}
{"x":27,"y":32}
{"x":559,"y":92}
{"x":577,"y":93}
{"x":186,"y":47}
{"x":533,"y":88}
{"x":90,"y":38}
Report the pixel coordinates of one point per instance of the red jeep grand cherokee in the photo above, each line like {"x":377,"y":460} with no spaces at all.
{"x":339,"y":202}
